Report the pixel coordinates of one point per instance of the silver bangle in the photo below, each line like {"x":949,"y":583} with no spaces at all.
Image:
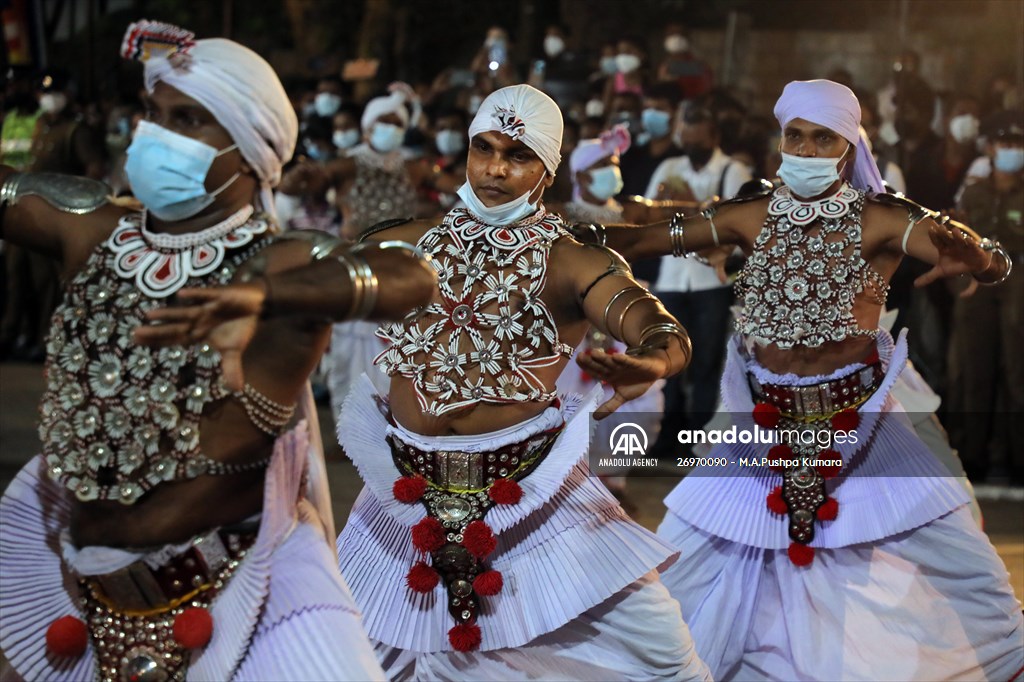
{"x":618,"y":294}
{"x":646,"y":296}
{"x":997,"y":249}
{"x":676,"y":236}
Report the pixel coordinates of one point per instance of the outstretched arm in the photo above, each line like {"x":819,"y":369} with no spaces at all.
{"x":616,"y":304}
{"x":951,"y":247}
{"x":373,"y":282}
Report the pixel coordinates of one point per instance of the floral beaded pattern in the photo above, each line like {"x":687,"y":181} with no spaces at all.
{"x":798,"y":287}
{"x":117,"y":419}
{"x":483,"y":342}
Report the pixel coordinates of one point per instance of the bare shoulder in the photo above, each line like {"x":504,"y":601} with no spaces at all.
{"x":579,"y":258}
{"x":887,"y":211}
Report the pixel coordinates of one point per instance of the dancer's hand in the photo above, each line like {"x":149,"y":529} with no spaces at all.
{"x":959,"y":254}
{"x":629,"y":375}
{"x":225,"y":317}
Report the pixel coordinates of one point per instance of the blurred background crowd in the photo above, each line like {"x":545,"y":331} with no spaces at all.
{"x":678,"y":92}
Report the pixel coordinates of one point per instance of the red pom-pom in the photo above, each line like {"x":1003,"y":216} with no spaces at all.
{"x":766,"y":415}
{"x":488,"y":583}
{"x":67,"y":636}
{"x":465,"y":637}
{"x":422,"y":578}
{"x":193,"y":628}
{"x":612,"y":351}
{"x":479,"y":539}
{"x":780,"y":452}
{"x":505,"y":491}
{"x":409,"y":489}
{"x":776,"y":504}
{"x":801,"y":555}
{"x":829,"y":510}
{"x":846,"y":420}
{"x":831,"y":470}
{"x":428,"y":535}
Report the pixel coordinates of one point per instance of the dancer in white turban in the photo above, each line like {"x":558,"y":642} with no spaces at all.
{"x":480,"y":547}
{"x":829,"y":543}
{"x":177,"y":523}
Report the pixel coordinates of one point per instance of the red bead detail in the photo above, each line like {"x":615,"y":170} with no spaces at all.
{"x":428,"y":535}
{"x":465,"y":637}
{"x":766,"y":415}
{"x":801,"y":555}
{"x":409,"y":489}
{"x":488,"y":583}
{"x":776,"y":504}
{"x":67,"y":636}
{"x":505,"y":491}
{"x":478,"y":539}
{"x":830,"y":471}
{"x":829,"y":510}
{"x":193,"y":628}
{"x":612,"y":351}
{"x":780,"y":452}
{"x":422,"y":578}
{"x":847,"y":420}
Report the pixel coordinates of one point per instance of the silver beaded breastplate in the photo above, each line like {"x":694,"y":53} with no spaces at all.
{"x":118,"y":419}
{"x":381,"y":190}
{"x":483,"y":342}
{"x":799,"y":285}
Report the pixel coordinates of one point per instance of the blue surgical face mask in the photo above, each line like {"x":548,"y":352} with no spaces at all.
{"x":167,"y":171}
{"x":345,"y":139}
{"x":315,"y":151}
{"x":450,"y":142}
{"x":656,"y":122}
{"x":605,"y":182}
{"x":503,"y":214}
{"x":326,"y":104}
{"x":1009,"y":159}
{"x":386,"y":137}
{"x":809,"y":176}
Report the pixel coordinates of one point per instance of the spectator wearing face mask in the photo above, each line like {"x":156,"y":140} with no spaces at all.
{"x":450,"y":143}
{"x":682,"y":67}
{"x":986,"y":368}
{"x":692,"y":291}
{"x":884,"y":154}
{"x":328,"y":97}
{"x":630,"y":75}
{"x":561,"y":72}
{"x":640,"y":162}
{"x":961,"y":147}
{"x":346,"y":133}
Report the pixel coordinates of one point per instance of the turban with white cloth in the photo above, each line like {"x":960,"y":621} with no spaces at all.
{"x":834,"y":106}
{"x":523,"y":113}
{"x":393,"y":103}
{"x":235,"y":84}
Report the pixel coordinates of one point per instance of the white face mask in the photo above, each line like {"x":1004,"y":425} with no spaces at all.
{"x":594,"y":108}
{"x":503,"y":214}
{"x":345,"y":139}
{"x":627,"y":63}
{"x":809,"y":176}
{"x":53,"y":102}
{"x":676,"y":43}
{"x":605,"y":182}
{"x":963,"y":128}
{"x":450,"y":142}
{"x":608,"y":66}
{"x":553,"y":46}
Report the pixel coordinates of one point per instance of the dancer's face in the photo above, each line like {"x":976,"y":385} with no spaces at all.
{"x":500,"y":169}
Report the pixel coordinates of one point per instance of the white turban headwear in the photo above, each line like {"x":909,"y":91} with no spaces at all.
{"x":235,"y":84}
{"x":834,"y":106}
{"x":394,"y":103}
{"x":523,"y":113}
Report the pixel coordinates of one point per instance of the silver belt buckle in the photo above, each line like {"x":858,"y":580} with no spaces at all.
{"x":810,"y":399}
{"x":463,"y":470}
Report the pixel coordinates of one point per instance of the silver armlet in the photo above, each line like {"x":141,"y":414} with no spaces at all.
{"x":997,"y":250}
{"x":321,"y":244}
{"x":365,"y":286}
{"x":619,"y":294}
{"x":68,"y":193}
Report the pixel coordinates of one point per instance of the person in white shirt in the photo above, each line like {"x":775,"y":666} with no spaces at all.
{"x":690,"y":289}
